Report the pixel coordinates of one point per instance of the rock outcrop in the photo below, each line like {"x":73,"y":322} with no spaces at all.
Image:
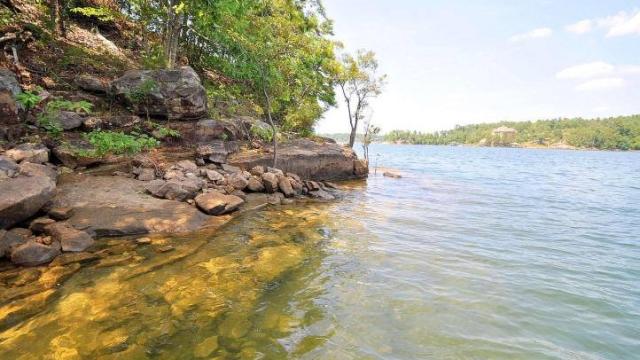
{"x":115,"y":206}
{"x":175,"y":94}
{"x":308,"y":159}
{"x":23,"y":195}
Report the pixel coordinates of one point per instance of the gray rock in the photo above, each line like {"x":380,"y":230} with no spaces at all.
{"x":230,"y":168}
{"x":35,"y":170}
{"x":285,"y":187}
{"x":391,"y":175}
{"x":255,"y":185}
{"x":147,"y":174}
{"x":69,"y":120}
{"x":9,"y":240}
{"x":309,"y":159}
{"x":214,"y":175}
{"x":180,"y":190}
{"x":34,"y":153}
{"x":61,"y":213}
{"x":360,"y":168}
{"x":9,"y":82}
{"x":111,"y":122}
{"x":278,"y":172}
{"x":257,"y":170}
{"x":21,"y":197}
{"x":321,"y":194}
{"x":238,"y":181}
{"x":215,"y":203}
{"x":70,"y":239}
{"x":187,"y":165}
{"x":38,"y":225}
{"x":270,"y":182}
{"x":91,"y":83}
{"x":8,"y":167}
{"x":175,"y":94}
{"x":34,"y":254}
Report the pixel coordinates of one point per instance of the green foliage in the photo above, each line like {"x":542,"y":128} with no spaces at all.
{"x":77,"y":106}
{"x":111,"y":142}
{"x":100,"y":13}
{"x":154,"y":58}
{"x":139,"y":94}
{"x":162,"y":132}
{"x":46,"y":120}
{"x":620,"y":133}
{"x":262,"y":133}
{"x":28,"y":99}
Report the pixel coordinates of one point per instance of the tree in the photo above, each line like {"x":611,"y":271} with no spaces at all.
{"x":57,"y":11}
{"x":359,"y":83}
{"x":370,"y":131}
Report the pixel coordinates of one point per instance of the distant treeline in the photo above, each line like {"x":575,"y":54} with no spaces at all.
{"x":621,"y":133}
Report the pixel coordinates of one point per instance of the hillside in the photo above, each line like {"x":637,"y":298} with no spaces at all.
{"x":618,"y":133}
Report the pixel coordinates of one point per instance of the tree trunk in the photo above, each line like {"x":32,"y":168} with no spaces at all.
{"x":56,"y":8}
{"x":352,"y":136}
{"x":273,"y":127}
{"x":172,"y":34}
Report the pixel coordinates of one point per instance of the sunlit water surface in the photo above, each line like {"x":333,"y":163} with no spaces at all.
{"x":473,"y":254}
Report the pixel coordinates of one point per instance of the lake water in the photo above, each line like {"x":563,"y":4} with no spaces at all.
{"x":475,"y":253}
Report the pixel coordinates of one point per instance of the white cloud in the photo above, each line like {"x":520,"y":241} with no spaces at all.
{"x":581,"y":27}
{"x":601,"y":84}
{"x":587,"y":71}
{"x":629,"y":69}
{"x":621,"y":24}
{"x":533,"y":34}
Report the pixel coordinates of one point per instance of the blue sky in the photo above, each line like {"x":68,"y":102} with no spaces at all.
{"x":459,"y":62}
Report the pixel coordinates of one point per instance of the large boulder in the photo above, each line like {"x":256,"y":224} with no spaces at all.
{"x":175,"y":94}
{"x":306,"y":158}
{"x":215,"y":203}
{"x":22,"y":196}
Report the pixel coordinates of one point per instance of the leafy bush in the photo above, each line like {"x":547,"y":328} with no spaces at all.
{"x":140,"y":93}
{"x":77,"y":106}
{"x":262,"y":133}
{"x":154,"y":58}
{"x":111,"y":142}
{"x":100,"y":13}
{"x":162,"y":132}
{"x":49,"y":124}
{"x":28,"y":99}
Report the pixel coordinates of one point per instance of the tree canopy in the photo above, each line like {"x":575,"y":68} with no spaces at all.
{"x":619,"y":133}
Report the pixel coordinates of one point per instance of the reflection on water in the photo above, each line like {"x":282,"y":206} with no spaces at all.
{"x":473,"y":254}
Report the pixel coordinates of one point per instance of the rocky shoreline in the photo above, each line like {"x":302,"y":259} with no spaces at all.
{"x":57,"y":202}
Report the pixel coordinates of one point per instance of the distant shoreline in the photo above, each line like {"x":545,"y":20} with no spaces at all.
{"x":518,"y":146}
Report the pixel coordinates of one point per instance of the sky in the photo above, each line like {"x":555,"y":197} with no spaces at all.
{"x":455,"y":62}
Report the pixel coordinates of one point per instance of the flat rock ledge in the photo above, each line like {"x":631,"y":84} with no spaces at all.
{"x":118,"y":206}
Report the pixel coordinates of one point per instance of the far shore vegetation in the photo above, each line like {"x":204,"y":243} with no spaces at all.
{"x":616,"y":133}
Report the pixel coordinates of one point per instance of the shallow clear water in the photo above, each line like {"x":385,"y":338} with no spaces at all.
{"x":475,"y":253}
